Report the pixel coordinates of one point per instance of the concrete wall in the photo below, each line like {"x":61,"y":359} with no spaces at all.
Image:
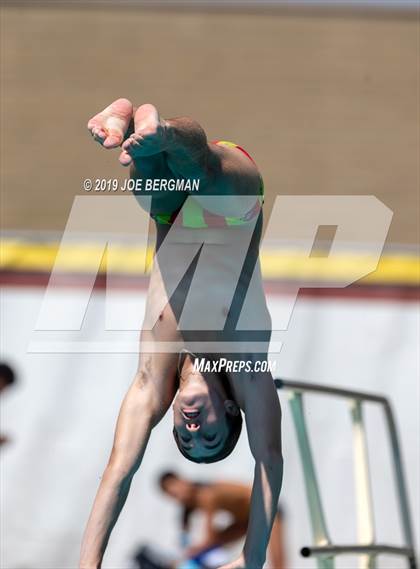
{"x":327,"y":102}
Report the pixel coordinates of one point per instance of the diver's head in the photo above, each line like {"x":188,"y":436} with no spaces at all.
{"x":207,"y":420}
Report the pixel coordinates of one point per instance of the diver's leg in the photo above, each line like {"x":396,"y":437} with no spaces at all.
{"x":109,"y":127}
{"x":229,"y":181}
{"x":117,"y":123}
{"x":182,"y":140}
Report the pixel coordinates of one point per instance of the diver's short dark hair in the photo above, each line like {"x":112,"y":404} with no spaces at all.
{"x":234,"y":423}
{"x":166,"y":476}
{"x":7,"y":374}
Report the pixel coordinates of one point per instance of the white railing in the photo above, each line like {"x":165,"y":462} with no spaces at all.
{"x":323,"y":549}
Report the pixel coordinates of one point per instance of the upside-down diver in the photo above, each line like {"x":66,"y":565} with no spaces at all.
{"x":226,"y":215}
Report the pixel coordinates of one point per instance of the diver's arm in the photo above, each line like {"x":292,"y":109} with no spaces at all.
{"x":138,"y":415}
{"x":263,"y":420}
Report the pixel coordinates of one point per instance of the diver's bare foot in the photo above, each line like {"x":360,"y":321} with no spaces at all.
{"x":148,"y":138}
{"x":110,"y":125}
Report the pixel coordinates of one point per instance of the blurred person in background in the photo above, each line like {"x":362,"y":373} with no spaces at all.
{"x":7,"y":379}
{"x":211,"y":498}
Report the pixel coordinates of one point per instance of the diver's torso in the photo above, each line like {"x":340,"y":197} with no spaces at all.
{"x":206,"y":275}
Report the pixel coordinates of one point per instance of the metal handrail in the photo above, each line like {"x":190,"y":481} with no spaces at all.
{"x":323,"y":549}
{"x":376,"y":549}
{"x":332,"y":550}
{"x":329,"y":390}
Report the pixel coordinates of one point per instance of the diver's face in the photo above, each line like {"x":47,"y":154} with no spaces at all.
{"x":200,"y":419}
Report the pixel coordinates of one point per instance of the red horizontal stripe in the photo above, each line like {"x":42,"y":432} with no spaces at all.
{"x":277,"y":287}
